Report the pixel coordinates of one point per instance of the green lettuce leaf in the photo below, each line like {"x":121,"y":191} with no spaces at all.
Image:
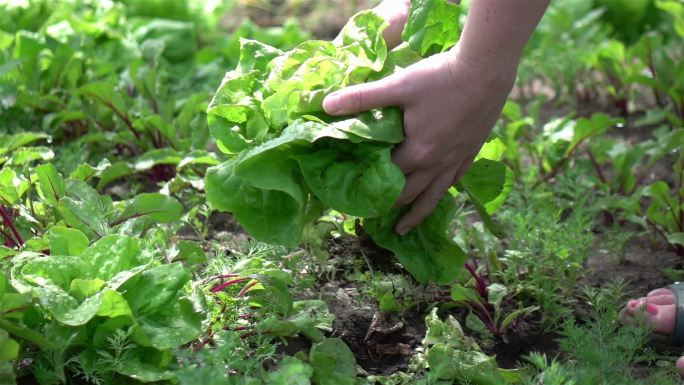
{"x":432,"y":26}
{"x":427,"y":251}
{"x":114,"y":285}
{"x":270,"y":215}
{"x":357,"y":179}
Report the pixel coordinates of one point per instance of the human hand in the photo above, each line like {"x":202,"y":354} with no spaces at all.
{"x":450,"y":105}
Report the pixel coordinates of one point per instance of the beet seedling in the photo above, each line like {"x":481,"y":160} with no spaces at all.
{"x":486,"y":303}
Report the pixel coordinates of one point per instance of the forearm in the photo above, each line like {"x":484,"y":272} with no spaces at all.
{"x":496,"y":32}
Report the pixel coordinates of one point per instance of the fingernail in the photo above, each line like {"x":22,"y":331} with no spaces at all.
{"x":331,"y":103}
{"x":403,"y":230}
{"x":633,"y":303}
{"x":651,"y":309}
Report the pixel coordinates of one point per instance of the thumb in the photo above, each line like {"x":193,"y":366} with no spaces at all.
{"x":363,"y":97}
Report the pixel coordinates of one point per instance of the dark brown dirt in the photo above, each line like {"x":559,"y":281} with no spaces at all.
{"x":383,"y":343}
{"x":224,"y":222}
{"x":642,"y":268}
{"x":293,"y":345}
{"x":523,"y":338}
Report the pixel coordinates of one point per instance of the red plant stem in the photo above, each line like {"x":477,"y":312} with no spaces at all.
{"x":15,"y":309}
{"x":488,"y":320}
{"x":120,"y":114}
{"x":480,"y":283}
{"x":607,"y":216}
{"x":675,"y":218}
{"x":246,"y":288}
{"x":597,"y":167}
{"x":150,"y":135}
{"x":9,"y":238}
{"x":224,"y":276}
{"x":639,"y":182}
{"x":5,"y":200}
{"x":10,"y":223}
{"x":678,"y":109}
{"x":560,"y":163}
{"x":657,"y":230}
{"x":618,"y":101}
{"x":224,"y":285}
{"x":240,"y":329}
{"x":201,"y":344}
{"x":160,"y":140}
{"x":651,"y":66}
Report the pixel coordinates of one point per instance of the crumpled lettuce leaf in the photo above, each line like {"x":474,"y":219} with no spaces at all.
{"x":264,"y":186}
{"x":427,"y":251}
{"x":357,"y":179}
{"x":270,"y":215}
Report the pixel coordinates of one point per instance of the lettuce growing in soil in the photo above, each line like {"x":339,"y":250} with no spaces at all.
{"x":115,"y":288}
{"x":289,"y":161}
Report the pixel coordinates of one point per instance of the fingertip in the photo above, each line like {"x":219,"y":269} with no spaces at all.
{"x":402,"y":229}
{"x":680,"y":366}
{"x":331,"y":103}
{"x":634,"y":306}
{"x":405,"y":224}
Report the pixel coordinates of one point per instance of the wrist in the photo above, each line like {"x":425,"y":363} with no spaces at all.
{"x":498,"y":71}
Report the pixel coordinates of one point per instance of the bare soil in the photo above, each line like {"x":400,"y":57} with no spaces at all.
{"x":382,"y":342}
{"x":643,"y":267}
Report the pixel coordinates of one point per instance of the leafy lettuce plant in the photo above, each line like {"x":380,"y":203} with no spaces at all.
{"x":112,"y":290}
{"x":451,"y":356}
{"x":17,"y":312}
{"x":289,"y":161}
